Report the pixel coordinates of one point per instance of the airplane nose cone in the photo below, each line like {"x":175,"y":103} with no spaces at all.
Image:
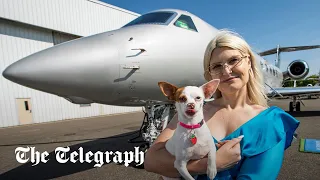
{"x":8,"y":73}
{"x":22,"y":72}
{"x":85,"y":67}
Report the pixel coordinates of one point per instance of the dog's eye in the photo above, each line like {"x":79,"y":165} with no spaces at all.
{"x":198,"y":97}
{"x":182,"y":98}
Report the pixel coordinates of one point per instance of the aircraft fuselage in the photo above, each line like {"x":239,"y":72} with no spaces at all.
{"x":122,"y":67}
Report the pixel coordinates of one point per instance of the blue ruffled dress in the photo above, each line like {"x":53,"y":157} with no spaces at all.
{"x":266,"y":136}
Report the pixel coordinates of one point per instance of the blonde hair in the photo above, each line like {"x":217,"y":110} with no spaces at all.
{"x":255,"y":85}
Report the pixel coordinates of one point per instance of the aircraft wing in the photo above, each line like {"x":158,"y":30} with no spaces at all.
{"x":294,"y":91}
{"x":287,"y":49}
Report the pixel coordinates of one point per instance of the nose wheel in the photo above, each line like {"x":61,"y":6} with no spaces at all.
{"x":294,"y":105}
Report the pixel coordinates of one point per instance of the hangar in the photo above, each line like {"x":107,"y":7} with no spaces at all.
{"x":27,"y":27}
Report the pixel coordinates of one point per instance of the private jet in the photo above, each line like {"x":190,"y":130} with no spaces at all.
{"x":122,"y":67}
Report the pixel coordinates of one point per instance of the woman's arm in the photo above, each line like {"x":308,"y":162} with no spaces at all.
{"x":160,"y":161}
{"x":266,"y":165}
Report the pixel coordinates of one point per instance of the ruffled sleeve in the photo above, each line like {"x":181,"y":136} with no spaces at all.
{"x":272,"y":133}
{"x":266,"y":165}
{"x":267,"y":130}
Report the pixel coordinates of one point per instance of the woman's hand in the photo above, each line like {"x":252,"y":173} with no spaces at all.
{"x":229,"y":153}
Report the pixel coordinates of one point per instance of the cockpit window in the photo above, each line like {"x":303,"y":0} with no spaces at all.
{"x":185,"y":22}
{"x":152,"y":18}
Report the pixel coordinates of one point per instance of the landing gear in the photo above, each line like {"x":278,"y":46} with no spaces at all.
{"x":157,"y":116}
{"x":294,"y":105}
{"x":291,"y":108}
{"x":298,"y":106}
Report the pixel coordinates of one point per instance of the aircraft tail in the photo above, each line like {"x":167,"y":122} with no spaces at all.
{"x":277,"y":62}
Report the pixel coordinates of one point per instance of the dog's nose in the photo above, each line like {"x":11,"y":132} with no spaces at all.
{"x":191,"y":105}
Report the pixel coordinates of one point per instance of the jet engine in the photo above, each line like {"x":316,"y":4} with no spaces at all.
{"x":297,"y":69}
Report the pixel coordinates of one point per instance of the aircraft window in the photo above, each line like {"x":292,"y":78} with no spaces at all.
{"x":185,"y":22}
{"x":152,"y":18}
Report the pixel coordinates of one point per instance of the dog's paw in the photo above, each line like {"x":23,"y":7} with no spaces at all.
{"x":211,"y":173}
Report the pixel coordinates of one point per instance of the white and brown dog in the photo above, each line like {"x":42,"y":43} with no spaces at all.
{"x":192,"y":138}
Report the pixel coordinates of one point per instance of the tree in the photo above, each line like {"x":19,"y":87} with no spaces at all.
{"x":313,"y":76}
{"x":300,"y":83}
{"x":288,"y":83}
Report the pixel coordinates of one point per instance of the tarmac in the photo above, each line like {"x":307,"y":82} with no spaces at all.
{"x":111,"y":133}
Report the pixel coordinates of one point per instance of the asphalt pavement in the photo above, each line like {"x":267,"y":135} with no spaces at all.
{"x":111,"y":134}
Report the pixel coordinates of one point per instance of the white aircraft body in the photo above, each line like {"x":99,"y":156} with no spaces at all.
{"x":122,"y":67}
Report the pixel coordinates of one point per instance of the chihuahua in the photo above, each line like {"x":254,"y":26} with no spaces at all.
{"x":192,"y":138}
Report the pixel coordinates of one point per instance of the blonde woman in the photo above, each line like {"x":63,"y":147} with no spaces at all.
{"x":240,"y":108}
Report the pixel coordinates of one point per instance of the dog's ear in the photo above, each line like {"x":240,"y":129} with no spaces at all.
{"x":210,"y":88}
{"x":168,"y":89}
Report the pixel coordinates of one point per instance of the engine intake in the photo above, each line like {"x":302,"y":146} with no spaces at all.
{"x":297,"y":69}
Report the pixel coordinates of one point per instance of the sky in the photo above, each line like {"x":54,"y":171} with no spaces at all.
{"x":263,"y":24}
